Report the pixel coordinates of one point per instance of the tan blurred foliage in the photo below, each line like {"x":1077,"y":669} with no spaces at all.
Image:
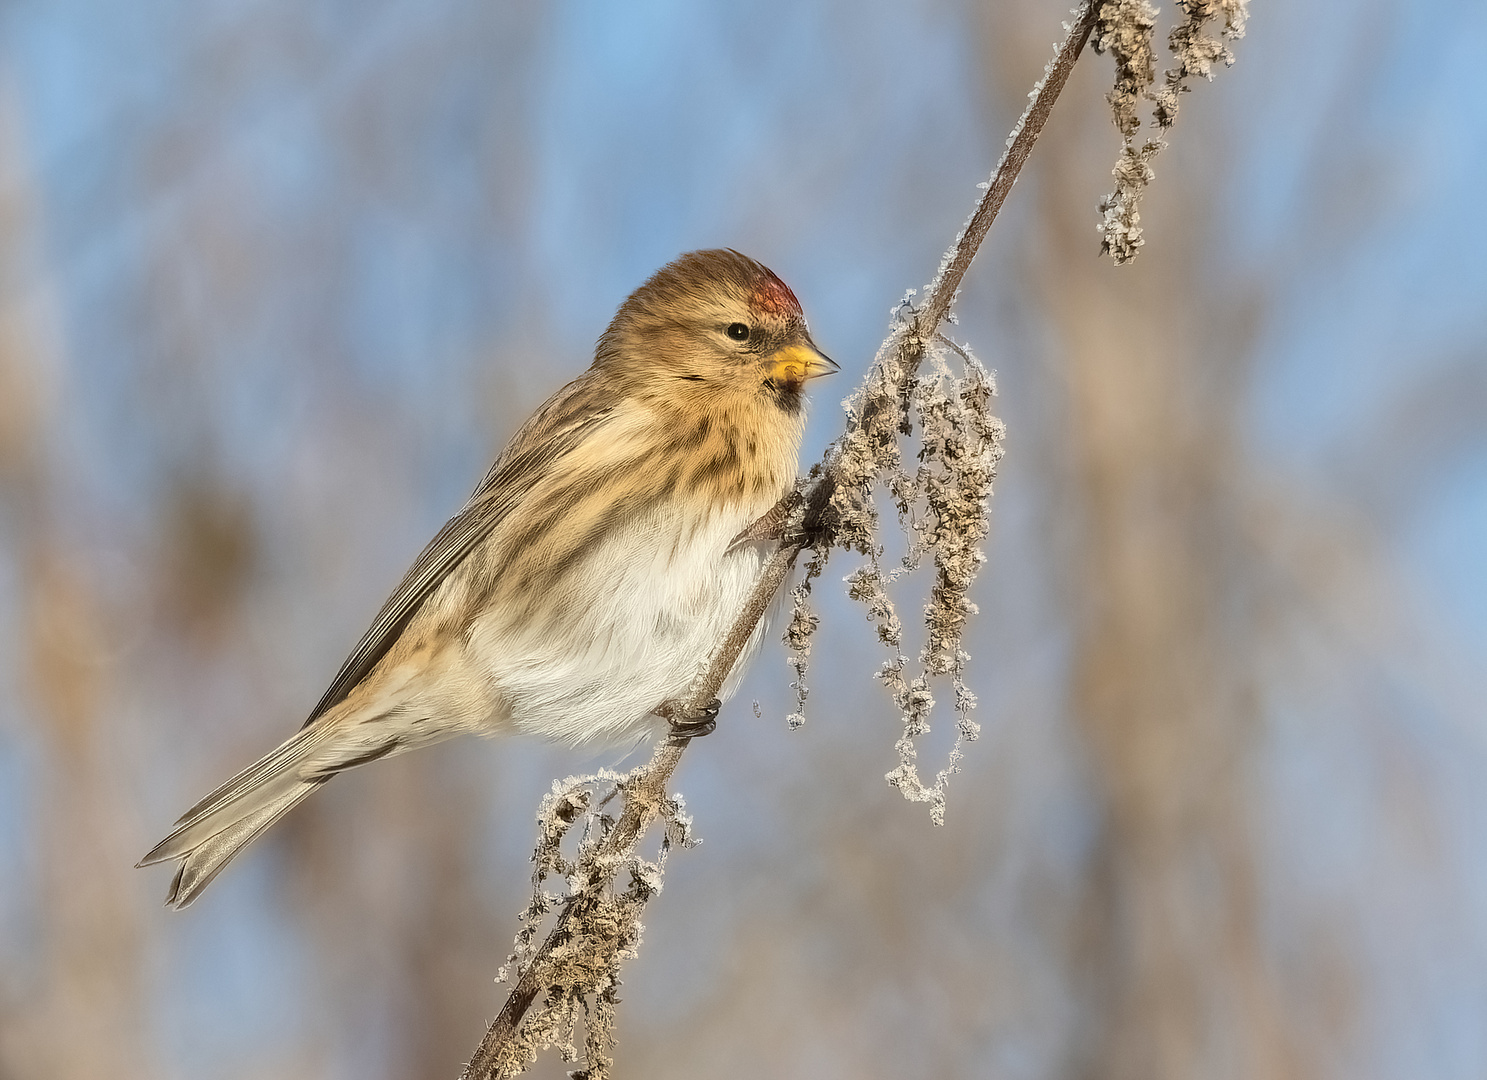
{"x":76,"y":1011}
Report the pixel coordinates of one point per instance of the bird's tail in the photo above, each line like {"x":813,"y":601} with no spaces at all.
{"x":214,"y":830}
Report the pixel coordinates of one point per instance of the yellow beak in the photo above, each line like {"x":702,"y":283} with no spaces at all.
{"x":794,"y":364}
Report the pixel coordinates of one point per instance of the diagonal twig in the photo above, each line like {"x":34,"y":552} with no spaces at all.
{"x":809,"y":526}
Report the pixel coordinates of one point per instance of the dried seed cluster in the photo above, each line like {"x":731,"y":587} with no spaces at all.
{"x":942,"y":509}
{"x":1125,"y":30}
{"x":579,"y":974}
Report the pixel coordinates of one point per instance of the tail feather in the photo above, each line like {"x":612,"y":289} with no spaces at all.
{"x":226,"y":821}
{"x":200,"y":864}
{"x":288,"y":753}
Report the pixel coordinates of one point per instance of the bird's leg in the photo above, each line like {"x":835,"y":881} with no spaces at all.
{"x":689,"y":723}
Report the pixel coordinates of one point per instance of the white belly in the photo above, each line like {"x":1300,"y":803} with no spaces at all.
{"x":633,"y":626}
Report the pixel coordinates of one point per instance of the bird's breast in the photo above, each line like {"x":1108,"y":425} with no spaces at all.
{"x":617,"y":577}
{"x":630,"y":626}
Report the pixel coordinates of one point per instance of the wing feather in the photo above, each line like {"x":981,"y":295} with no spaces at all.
{"x":568,"y":419}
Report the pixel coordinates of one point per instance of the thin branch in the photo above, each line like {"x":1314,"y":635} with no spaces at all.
{"x":958,"y":260}
{"x":809,"y":525}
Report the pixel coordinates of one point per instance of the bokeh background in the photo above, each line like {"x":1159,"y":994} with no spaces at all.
{"x":277,"y":279}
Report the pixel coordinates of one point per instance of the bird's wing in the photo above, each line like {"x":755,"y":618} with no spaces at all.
{"x":567,"y":419}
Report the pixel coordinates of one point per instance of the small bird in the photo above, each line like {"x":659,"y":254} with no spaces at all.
{"x":581,"y":589}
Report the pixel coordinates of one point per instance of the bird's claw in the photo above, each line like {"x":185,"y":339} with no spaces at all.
{"x":687,"y":724}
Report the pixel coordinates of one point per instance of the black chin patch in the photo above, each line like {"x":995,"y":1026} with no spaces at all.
{"x":784,"y":394}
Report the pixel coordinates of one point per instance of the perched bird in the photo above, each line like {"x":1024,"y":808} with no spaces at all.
{"x":586,"y":581}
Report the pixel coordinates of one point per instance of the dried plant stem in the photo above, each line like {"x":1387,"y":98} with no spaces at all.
{"x":645,"y":791}
{"x":1029,"y":127}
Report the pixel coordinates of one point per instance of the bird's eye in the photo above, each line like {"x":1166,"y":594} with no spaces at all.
{"x":738,"y":331}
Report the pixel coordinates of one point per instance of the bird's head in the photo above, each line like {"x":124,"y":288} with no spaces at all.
{"x":714,"y":322}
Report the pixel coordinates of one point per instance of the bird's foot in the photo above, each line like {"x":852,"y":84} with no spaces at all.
{"x":687,"y":724}
{"x":771,"y":525}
